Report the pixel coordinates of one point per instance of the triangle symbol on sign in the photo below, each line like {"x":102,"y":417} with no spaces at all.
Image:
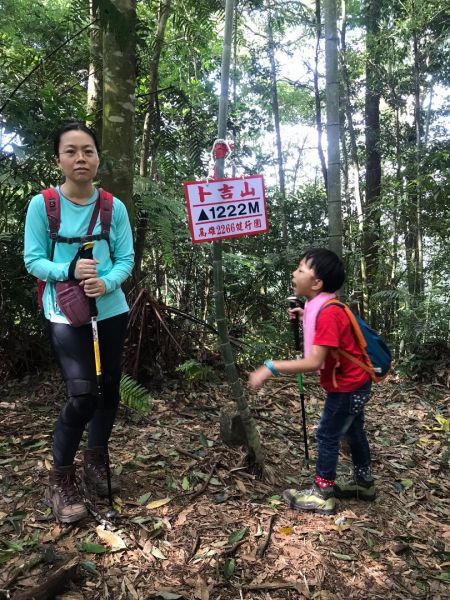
{"x":203,"y":216}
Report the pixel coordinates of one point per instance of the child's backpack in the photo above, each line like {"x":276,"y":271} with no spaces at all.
{"x":376,"y":355}
{"x":53,"y":209}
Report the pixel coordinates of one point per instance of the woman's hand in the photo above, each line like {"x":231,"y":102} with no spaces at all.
{"x":93,"y":287}
{"x":86,"y":268}
{"x":257,"y":379}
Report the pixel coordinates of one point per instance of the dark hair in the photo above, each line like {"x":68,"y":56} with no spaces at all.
{"x":327,"y":266}
{"x":72,"y":127}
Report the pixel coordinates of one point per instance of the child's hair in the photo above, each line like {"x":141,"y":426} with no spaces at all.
{"x":327,"y":266}
{"x":72,"y":127}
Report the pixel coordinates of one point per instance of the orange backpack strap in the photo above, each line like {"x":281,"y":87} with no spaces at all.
{"x":365,"y":364}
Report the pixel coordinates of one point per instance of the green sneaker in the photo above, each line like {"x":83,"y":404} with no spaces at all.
{"x":314,"y":499}
{"x":356,"y":488}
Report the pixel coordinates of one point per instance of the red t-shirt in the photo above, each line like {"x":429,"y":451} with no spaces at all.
{"x":333,"y":329}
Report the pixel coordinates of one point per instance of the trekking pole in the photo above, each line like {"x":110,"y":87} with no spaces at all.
{"x":295,"y":303}
{"x":87,"y":253}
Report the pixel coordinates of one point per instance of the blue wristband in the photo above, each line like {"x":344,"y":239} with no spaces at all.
{"x":269,"y":364}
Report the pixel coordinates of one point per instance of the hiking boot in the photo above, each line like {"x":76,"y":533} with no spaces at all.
{"x":356,"y":488}
{"x":95,"y":472}
{"x":63,"y":496}
{"x":314,"y":499}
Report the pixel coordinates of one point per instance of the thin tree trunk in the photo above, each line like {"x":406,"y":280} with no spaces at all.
{"x":317,"y":96}
{"x":95,"y":81}
{"x":149,"y":125}
{"x":237,"y":392}
{"x":150,"y":137}
{"x":428,"y":119}
{"x":354,"y":164}
{"x":373,"y":157}
{"x":298,"y":164}
{"x":333,"y":128}
{"x":119,"y":80}
{"x":234,"y":77}
{"x":418,"y":267}
{"x":413,"y":234}
{"x":276,"y":120}
{"x":395,"y":219}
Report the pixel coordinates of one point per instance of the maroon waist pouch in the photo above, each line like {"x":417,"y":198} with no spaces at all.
{"x":73,"y":302}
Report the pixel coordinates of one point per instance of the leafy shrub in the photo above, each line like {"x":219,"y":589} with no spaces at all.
{"x":192,"y":371}
{"x":23,"y":344}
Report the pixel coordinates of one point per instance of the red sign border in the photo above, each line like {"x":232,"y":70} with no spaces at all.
{"x":228,"y":236}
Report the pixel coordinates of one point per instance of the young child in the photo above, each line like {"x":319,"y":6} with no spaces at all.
{"x":319,"y":275}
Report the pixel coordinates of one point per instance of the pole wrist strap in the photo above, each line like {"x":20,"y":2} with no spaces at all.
{"x":269,"y":364}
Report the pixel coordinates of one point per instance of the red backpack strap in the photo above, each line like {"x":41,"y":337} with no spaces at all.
{"x":106,"y":204}
{"x":53,"y":210}
{"x":94,"y":217}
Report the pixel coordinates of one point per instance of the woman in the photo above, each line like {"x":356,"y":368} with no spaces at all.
{"x":77,"y":155}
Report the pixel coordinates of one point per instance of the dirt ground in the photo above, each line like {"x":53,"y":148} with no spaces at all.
{"x":195,"y":524}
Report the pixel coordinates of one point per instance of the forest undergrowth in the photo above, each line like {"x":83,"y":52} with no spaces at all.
{"x":194,"y":524}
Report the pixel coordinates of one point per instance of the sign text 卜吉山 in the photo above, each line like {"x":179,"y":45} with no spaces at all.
{"x":226,"y":208}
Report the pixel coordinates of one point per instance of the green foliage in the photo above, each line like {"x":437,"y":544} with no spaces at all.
{"x":10,"y":548}
{"x":268,"y":339}
{"x":443,"y":424}
{"x":257,"y":269}
{"x":229,"y":567}
{"x":194,"y":371}
{"x":22,"y":340}
{"x":134,"y":395}
{"x":164,"y":212}
{"x":34,"y":100}
{"x":296,"y":104}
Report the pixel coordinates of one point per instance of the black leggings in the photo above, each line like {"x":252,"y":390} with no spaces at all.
{"x":73,"y":347}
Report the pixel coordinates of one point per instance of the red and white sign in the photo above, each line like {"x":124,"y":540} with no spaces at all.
{"x":226,"y":208}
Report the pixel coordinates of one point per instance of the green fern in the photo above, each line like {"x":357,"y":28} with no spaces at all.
{"x":165,"y":213}
{"x":192,"y":371}
{"x":134,"y":395}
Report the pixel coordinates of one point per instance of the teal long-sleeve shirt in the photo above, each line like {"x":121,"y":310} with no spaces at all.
{"x":113,"y":267}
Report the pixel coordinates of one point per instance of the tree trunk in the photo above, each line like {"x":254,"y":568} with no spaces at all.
{"x":95,"y":82}
{"x":399,"y":196}
{"x":373,"y":157}
{"x":276,"y":120}
{"x":119,"y":80}
{"x":150,"y":115}
{"x":413,"y":233}
{"x":317,"y":96}
{"x":354,"y":163}
{"x":418,"y":266}
{"x":237,"y":392}
{"x":150,"y":137}
{"x":333,"y":128}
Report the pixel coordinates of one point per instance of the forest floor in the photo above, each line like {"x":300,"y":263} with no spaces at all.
{"x":194,"y":524}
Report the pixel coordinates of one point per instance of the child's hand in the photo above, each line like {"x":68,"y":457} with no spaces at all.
{"x":295,"y":312}
{"x":257,"y":379}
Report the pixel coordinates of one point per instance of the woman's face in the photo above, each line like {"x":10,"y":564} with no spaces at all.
{"x":78,"y":158}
